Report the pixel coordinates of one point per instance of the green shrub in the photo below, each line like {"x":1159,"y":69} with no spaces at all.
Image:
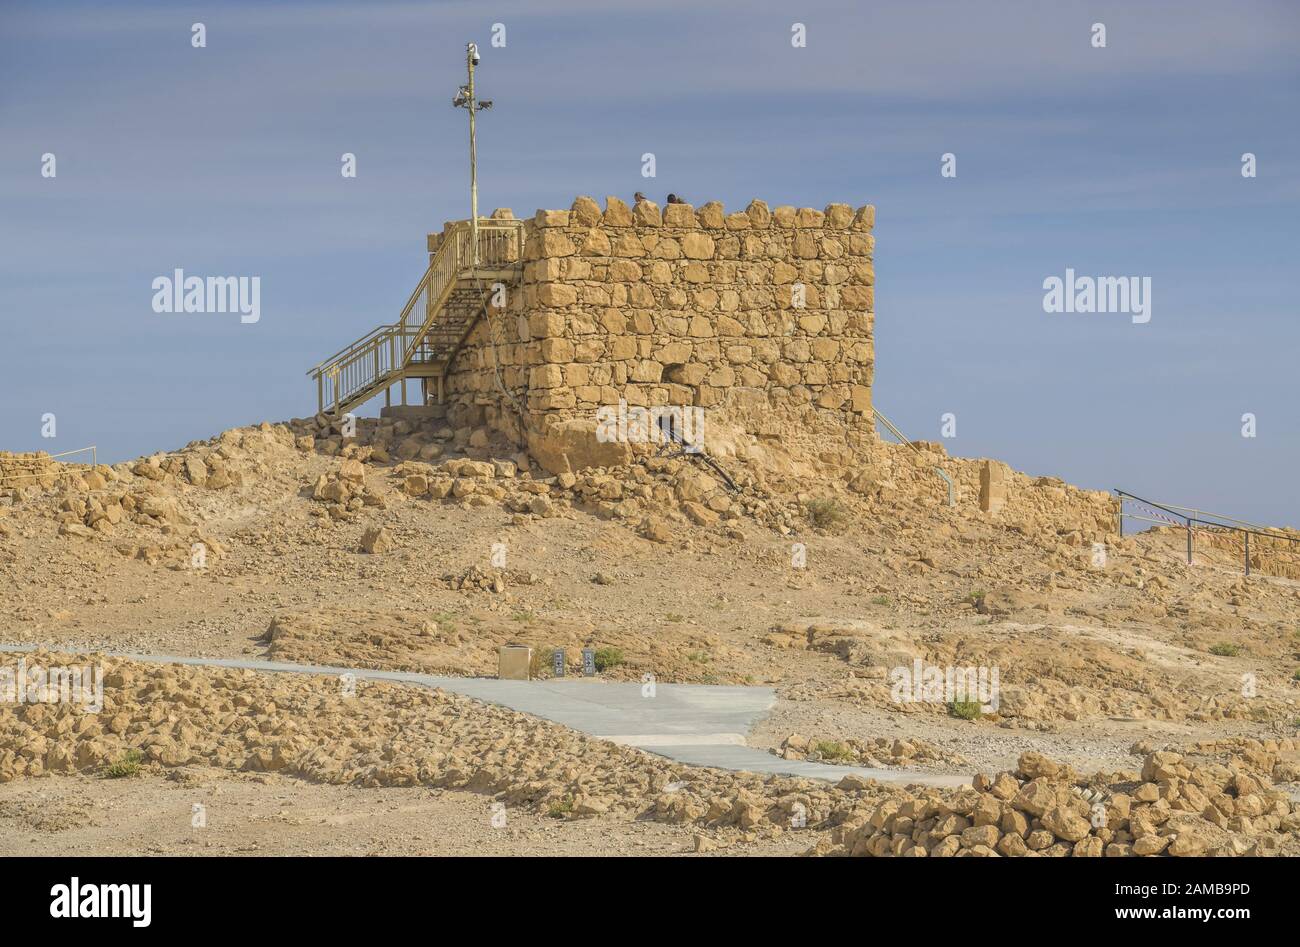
{"x":965,"y":709}
{"x":128,"y":764}
{"x":833,"y":750}
{"x":540,"y":665}
{"x":880,"y":600}
{"x":827,"y":513}
{"x":1225,"y":649}
{"x":607,"y":658}
{"x":560,"y":808}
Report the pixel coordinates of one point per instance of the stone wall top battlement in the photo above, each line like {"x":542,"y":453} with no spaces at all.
{"x":585,"y":212}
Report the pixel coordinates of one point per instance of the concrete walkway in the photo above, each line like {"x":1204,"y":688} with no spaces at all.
{"x":696,"y":724}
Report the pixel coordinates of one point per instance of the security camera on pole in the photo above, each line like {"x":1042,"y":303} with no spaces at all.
{"x":465,"y":99}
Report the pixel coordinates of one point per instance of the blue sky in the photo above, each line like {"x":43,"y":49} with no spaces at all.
{"x":1119,"y":161}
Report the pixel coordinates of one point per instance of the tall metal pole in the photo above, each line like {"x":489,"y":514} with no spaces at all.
{"x":471,"y":54}
{"x":465,"y":99}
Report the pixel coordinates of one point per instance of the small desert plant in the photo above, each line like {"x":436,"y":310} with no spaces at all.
{"x":128,"y":764}
{"x":540,"y":665}
{"x":827,"y":513}
{"x":1225,"y":649}
{"x":880,"y":600}
{"x":1296,"y":676}
{"x":607,"y":658}
{"x":965,"y":709}
{"x":560,"y":808}
{"x":976,"y":598}
{"x":833,"y":750}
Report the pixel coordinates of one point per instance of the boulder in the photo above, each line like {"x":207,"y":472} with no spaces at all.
{"x":376,"y":540}
{"x":570,"y":446}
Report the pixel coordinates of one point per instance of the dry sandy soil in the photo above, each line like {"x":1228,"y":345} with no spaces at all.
{"x":270,"y":814}
{"x":254,"y":544}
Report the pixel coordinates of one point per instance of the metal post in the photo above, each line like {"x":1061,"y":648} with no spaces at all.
{"x":471,"y":53}
{"x":466,"y":100}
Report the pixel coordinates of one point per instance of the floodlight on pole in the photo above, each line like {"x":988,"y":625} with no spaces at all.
{"x":465,"y":99}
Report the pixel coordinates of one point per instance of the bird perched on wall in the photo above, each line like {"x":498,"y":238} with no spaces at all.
{"x":674,"y":199}
{"x":638,"y":197}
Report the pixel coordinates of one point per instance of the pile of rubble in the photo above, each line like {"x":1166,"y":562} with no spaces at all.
{"x":771,"y":483}
{"x":1176,"y":806}
{"x":89,"y":500}
{"x":371,"y":733}
{"x":1216,"y":800}
{"x":877,"y":752}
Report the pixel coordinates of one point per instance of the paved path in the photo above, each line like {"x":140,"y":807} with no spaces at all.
{"x":696,"y":724}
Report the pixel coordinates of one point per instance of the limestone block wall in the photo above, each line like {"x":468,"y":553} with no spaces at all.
{"x":683,"y":306}
{"x":23,"y":470}
{"x":498,"y":354}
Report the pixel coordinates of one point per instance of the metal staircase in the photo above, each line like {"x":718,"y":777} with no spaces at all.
{"x":436,"y":320}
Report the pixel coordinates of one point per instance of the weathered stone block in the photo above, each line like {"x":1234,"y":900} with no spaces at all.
{"x":681,"y":216}
{"x":697,"y":246}
{"x":711,"y":215}
{"x":556,"y":294}
{"x":617,"y":213}
{"x":551,"y":218}
{"x":585,"y":212}
{"x":513,"y":663}
{"x":993,"y":486}
{"x":646,"y":214}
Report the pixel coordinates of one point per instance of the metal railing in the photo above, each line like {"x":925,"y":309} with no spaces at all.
{"x":952,"y":490}
{"x":1189,"y":518}
{"x":386,"y":351}
{"x":94,"y":462}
